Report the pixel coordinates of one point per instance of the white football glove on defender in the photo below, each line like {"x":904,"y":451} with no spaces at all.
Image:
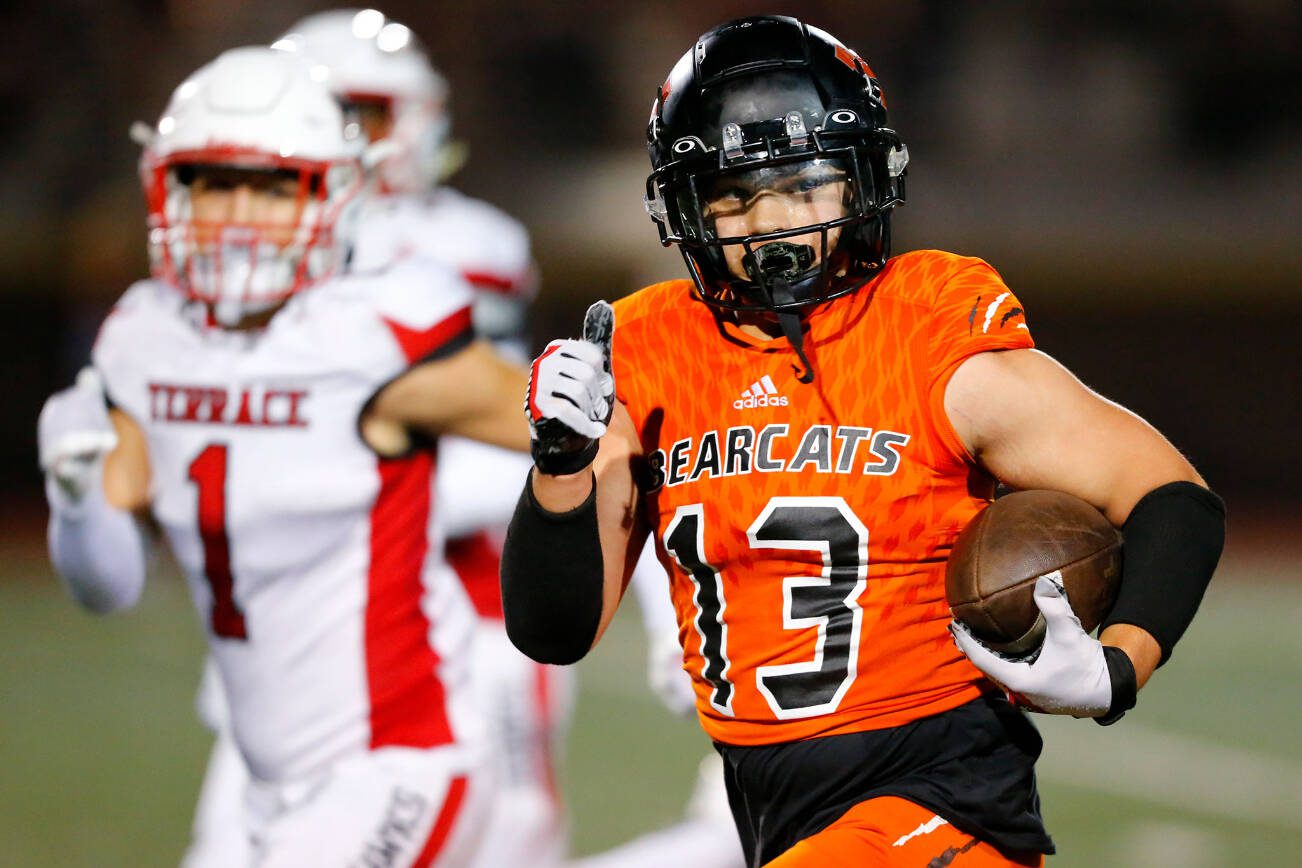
{"x":1069,"y":675}
{"x":98,"y":549}
{"x":73,"y":435}
{"x":571,"y":396}
{"x":664,"y":669}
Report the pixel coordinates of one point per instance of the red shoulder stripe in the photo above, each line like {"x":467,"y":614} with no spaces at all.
{"x":417,"y":344}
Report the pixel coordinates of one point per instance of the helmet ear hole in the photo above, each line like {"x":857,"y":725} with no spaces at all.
{"x":841,"y":119}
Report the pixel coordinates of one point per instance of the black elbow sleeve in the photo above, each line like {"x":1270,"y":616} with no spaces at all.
{"x":552,"y":578}
{"x":1173,"y":540}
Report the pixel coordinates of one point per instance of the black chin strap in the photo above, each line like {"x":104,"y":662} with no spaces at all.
{"x":772,"y":266}
{"x":789,"y":322}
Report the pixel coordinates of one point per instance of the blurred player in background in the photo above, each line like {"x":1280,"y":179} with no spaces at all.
{"x":384,"y":81}
{"x":277,"y":415}
{"x":805,"y":426}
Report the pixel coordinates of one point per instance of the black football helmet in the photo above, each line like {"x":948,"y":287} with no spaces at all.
{"x":768,"y":102}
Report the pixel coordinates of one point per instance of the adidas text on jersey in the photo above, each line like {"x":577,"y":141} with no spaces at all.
{"x":761,"y":393}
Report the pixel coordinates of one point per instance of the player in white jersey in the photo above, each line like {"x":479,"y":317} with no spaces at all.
{"x":278,"y":419}
{"x":397,"y":97}
{"x":382,"y":77}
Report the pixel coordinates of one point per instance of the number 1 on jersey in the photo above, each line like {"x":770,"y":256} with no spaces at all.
{"x":208,"y":473}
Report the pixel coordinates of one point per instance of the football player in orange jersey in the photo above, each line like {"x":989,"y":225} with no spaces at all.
{"x":805,"y":426}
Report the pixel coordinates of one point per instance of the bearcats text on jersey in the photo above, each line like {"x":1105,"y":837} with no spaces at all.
{"x":741,"y":449}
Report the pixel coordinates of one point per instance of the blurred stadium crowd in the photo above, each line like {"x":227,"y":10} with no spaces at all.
{"x":1132,"y":169}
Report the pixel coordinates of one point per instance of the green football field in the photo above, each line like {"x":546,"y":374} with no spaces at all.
{"x":101,"y":753}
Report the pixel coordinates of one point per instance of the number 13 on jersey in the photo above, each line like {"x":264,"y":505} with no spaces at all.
{"x":828,"y":602}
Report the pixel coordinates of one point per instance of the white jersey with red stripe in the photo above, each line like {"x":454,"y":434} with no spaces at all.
{"x":491,"y":252}
{"x":314,"y":564}
{"x":486,"y":246}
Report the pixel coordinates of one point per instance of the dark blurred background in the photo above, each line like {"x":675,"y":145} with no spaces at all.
{"x":1132,"y":169}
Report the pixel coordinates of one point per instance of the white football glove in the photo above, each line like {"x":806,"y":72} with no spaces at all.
{"x":571,"y":396}
{"x":73,"y":435}
{"x":664,"y":670}
{"x":1069,"y":675}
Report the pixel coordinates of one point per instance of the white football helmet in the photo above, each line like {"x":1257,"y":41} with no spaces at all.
{"x":252,"y":109}
{"x":374,"y":60}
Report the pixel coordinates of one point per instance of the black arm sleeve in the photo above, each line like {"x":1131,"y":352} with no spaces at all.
{"x":552,"y":578}
{"x":1173,"y":539}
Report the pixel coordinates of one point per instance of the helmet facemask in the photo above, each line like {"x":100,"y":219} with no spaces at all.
{"x":243,"y":260}
{"x":807,"y":145}
{"x":775,"y":235}
{"x":252,"y":182}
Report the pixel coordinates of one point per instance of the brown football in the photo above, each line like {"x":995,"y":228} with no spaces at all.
{"x":990,"y":577}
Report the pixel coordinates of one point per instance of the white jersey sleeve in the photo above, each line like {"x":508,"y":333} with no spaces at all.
{"x":488,"y":248}
{"x":424,"y":307}
{"x":478,"y":484}
{"x":147,"y":320}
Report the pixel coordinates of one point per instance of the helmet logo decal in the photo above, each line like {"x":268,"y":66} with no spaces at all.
{"x":853,"y":60}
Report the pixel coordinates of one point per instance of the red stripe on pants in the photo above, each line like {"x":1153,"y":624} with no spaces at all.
{"x":438,"y":835}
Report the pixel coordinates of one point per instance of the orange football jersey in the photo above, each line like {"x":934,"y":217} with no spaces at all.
{"x":805,"y":527}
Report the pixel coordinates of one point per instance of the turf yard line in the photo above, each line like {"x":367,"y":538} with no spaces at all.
{"x":1173,"y":771}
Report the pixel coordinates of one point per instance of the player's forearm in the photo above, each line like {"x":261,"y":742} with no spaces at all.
{"x":1140,"y":647}
{"x":487,"y":409}
{"x":473,"y":393}
{"x":98,"y":549}
{"x":1174,"y":536}
{"x":562,"y":493}
{"x":553,"y":572}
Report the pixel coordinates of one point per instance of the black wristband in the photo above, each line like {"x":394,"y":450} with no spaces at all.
{"x":555,"y":462}
{"x":1125,"y":686}
{"x":552,"y":579}
{"x":1173,"y":539}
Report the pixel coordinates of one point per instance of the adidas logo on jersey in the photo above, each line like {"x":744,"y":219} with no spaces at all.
{"x":761,"y":393}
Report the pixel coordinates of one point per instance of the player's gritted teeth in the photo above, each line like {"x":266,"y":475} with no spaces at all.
{"x":776,"y":199}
